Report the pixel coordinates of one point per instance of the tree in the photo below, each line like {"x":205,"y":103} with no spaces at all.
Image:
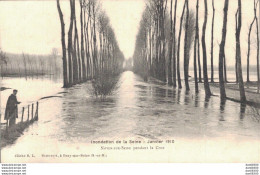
{"x":76,"y":52}
{"x":222,"y":54}
{"x":249,"y":44}
{"x":179,"y":45}
{"x":170,"y":65}
{"x":186,"y":51}
{"x":3,"y":57}
{"x":238,"y":53}
{"x":198,"y":42}
{"x":212,"y":43}
{"x":86,"y":39}
{"x":63,"y":43}
{"x":70,"y":45}
{"x":3,"y":61}
{"x":199,"y":65}
{"x":174,"y":45}
{"x":225,"y":69}
{"x":257,"y":38}
{"x":205,"y":70}
{"x":53,"y":62}
{"x":190,"y":28}
{"x":25,"y":64}
{"x":195,"y":48}
{"x":82,"y":34}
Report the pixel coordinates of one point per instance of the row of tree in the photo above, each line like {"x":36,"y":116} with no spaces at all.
{"x":92,"y":50}
{"x":157,"y":51}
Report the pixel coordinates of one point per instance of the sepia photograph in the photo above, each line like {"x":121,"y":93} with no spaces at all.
{"x":130,"y":81}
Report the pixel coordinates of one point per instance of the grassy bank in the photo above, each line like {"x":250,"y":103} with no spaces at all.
{"x":10,"y":135}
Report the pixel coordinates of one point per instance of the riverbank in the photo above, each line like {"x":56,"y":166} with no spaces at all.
{"x":9,"y":136}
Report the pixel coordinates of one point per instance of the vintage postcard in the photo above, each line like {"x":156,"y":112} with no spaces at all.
{"x":130,"y":81}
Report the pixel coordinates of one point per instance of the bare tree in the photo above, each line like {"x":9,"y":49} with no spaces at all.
{"x":82,"y":22}
{"x":3,"y":57}
{"x":179,"y":45}
{"x":222,"y":53}
{"x":257,"y":37}
{"x":249,"y":44}
{"x":170,"y":65}
{"x":195,"y":48}
{"x":212,"y":42}
{"x":75,"y":51}
{"x":174,"y":45}
{"x":238,"y":53}
{"x":25,"y":65}
{"x":70,"y":45}
{"x":63,"y":43}
{"x":186,"y":51}
{"x":205,"y":70}
{"x":53,"y":62}
{"x":3,"y":60}
{"x":225,"y":69}
{"x":190,"y":28}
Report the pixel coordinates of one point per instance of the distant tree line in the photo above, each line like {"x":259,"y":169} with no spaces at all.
{"x":157,"y":50}
{"x":25,"y":65}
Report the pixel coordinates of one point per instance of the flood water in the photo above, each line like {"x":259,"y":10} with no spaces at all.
{"x":137,"y":110}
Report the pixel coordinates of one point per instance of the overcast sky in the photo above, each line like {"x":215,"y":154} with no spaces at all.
{"x":34,"y":27}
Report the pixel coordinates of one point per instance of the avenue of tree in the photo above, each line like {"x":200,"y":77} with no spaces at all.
{"x":91,"y":50}
{"x":158,"y":44}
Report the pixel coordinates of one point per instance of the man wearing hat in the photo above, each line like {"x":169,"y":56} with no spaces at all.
{"x":11,"y":110}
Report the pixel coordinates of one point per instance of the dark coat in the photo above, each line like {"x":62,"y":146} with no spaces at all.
{"x":11,"y":107}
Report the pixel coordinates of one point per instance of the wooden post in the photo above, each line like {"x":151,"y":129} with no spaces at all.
{"x":32,"y":111}
{"x":22,"y":115}
{"x":7,"y":124}
{"x":28,"y":112}
{"x":37,"y":111}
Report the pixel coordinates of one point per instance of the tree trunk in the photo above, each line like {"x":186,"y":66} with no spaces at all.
{"x":63,"y":43}
{"x":70,"y":50}
{"x":88,"y":71}
{"x":94,"y":37}
{"x":225,"y":69}
{"x":79,"y":58}
{"x":174,"y":46}
{"x":238,"y":54}
{"x":222,"y":54}
{"x":91,"y":42}
{"x":84,"y":78}
{"x":199,"y":65}
{"x":186,"y":49}
{"x":150,"y":48}
{"x":170,"y":51}
{"x":195,"y":49}
{"x":179,"y":45}
{"x":205,"y":69}
{"x":249,"y":49}
{"x":212,"y":43}
{"x":257,"y":36}
{"x":77,"y":61}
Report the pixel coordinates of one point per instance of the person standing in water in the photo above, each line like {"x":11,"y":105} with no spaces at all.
{"x":11,"y":110}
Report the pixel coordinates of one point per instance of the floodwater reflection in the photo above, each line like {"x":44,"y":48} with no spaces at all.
{"x":141,"y":109}
{"x":151,"y":110}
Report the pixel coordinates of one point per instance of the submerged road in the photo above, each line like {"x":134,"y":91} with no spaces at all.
{"x":138,"y":110}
